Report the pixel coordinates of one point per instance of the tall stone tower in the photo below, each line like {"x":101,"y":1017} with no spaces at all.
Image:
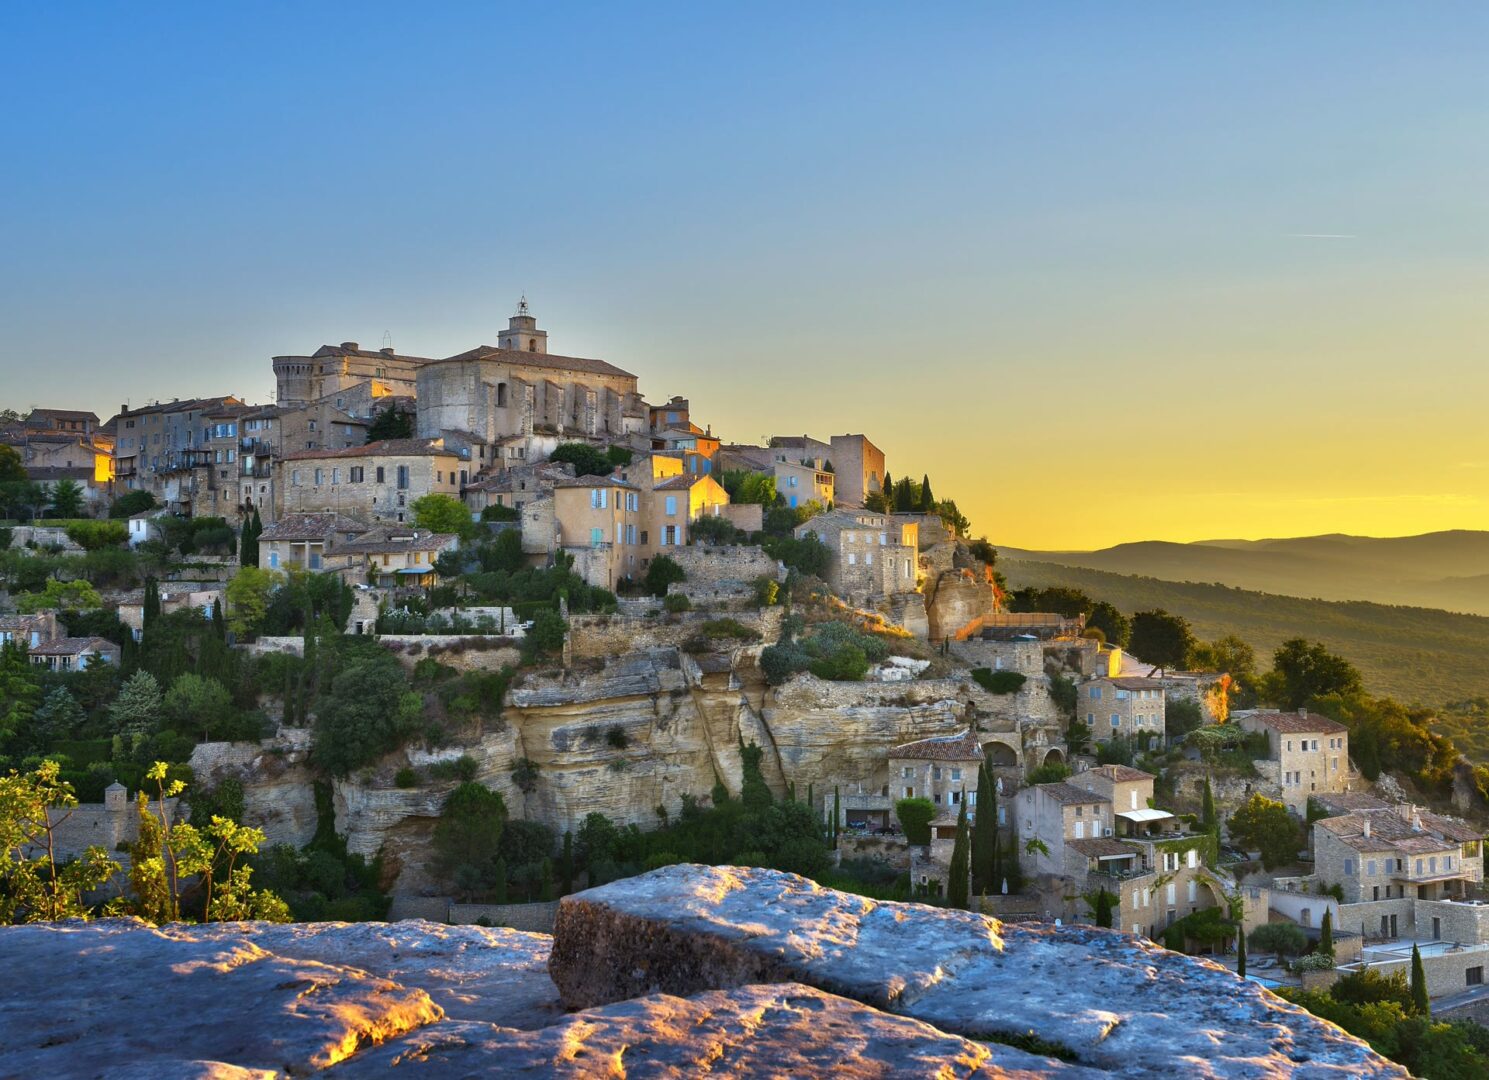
{"x":522,"y":332}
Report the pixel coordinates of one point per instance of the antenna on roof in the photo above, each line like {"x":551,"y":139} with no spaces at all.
{"x":387,"y":339}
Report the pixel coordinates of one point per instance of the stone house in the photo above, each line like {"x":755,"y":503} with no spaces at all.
{"x":348,"y":371}
{"x":73,"y":653}
{"x":599,"y":521}
{"x":1101,"y":833}
{"x":859,"y":466}
{"x":869,"y":554}
{"x":1132,"y":707}
{"x":799,"y":483}
{"x":270,"y":433}
{"x":73,"y":421}
{"x":941,"y":769}
{"x":306,"y":541}
{"x":394,"y":555}
{"x":674,"y":414}
{"x":377,"y":481}
{"x":517,"y":485}
{"x":169,"y":449}
{"x":131,"y":611}
{"x":29,"y":630}
{"x":1309,"y":752}
{"x":518,"y":388}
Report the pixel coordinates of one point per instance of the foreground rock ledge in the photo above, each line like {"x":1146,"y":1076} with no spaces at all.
{"x":1111,"y":1000}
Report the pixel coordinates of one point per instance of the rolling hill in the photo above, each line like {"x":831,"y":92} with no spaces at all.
{"x":1447,"y":570}
{"x":1414,"y":654}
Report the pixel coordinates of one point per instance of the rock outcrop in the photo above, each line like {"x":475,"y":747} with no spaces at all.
{"x":682,"y":972}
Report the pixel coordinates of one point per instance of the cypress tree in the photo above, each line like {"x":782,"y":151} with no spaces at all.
{"x":568,"y":863}
{"x":985,"y":833}
{"x":887,"y":491}
{"x":1419,"y":984}
{"x":152,"y":601}
{"x":1241,"y":952}
{"x":1207,"y":811}
{"x":837,"y":809}
{"x":956,"y":888}
{"x":253,"y":547}
{"x":904,"y":497}
{"x":218,"y":626}
{"x":1326,"y":935}
{"x":812,"y":798}
{"x":927,"y":500}
{"x":499,"y":885}
{"x":1012,"y":869}
{"x":547,"y":880}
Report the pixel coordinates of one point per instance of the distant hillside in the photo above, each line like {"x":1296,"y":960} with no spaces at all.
{"x":1416,"y":655}
{"x":1448,"y":570}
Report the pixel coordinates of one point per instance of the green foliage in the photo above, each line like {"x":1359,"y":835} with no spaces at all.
{"x":660,"y":573}
{"x":808,"y":555}
{"x":405,"y":777}
{"x":1206,"y":928}
{"x":38,"y":889}
{"x":498,"y":512}
{"x":1115,"y":627}
{"x":1180,"y":716}
{"x":547,"y":633}
{"x":716,"y":531}
{"x":1065,"y":695}
{"x":65,"y":499}
{"x":589,"y":460}
{"x":676,"y":604}
{"x":1208,"y":817}
{"x":767,"y":592}
{"x":1051,"y":772}
{"x":467,"y":840}
{"x":137,"y":709}
{"x":1304,"y":671}
{"x":1326,"y":935}
{"x":59,"y":595}
{"x":248,"y":596}
{"x":440,"y":513}
{"x":1162,"y":639}
{"x":748,"y":487}
{"x":1284,"y":939}
{"x":366,"y":711}
{"x":1264,"y":825}
{"x":20,"y":690}
{"x":998,"y":682}
{"x":915,"y":817}
{"x":132,"y":503}
{"x":391,"y":423}
{"x":93,"y":535}
{"x":199,"y":706}
{"x":1418,"y":984}
{"x":525,"y":775}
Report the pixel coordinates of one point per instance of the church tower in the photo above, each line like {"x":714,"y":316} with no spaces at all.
{"x":522,"y":333}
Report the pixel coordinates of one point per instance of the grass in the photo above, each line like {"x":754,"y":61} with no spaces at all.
{"x":1417,"y":655}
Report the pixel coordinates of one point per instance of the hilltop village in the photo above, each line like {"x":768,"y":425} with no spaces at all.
{"x":460,"y":636}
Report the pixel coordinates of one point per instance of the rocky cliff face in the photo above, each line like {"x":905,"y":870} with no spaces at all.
{"x":626,"y":736}
{"x":679,"y":973}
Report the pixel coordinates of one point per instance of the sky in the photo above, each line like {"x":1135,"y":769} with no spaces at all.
{"x":1104,"y":272}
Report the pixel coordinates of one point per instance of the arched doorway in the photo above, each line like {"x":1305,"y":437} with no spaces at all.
{"x":1000,"y":755}
{"x":1054,"y":756}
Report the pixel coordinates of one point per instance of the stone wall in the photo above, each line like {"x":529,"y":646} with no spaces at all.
{"x":708,"y":566}
{"x":958,"y":605}
{"x":598,"y":636}
{"x":464,"y":652}
{"x":534,"y":918}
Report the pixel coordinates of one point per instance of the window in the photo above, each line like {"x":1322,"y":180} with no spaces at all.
{"x":1369,"y":868}
{"x":1095,"y":693}
{"x":319,"y":477}
{"x":868,"y":558}
{"x":1474,"y":976}
{"x":956,"y":774}
{"x":379,"y":474}
{"x":1116,"y":720}
{"x":852,"y":559}
{"x":790,"y":481}
{"x":595,"y":537}
{"x":335,"y":476}
{"x":1193,"y":890}
{"x":1192,"y":859}
{"x":671,"y":506}
{"x":402,"y":477}
{"x":354,"y":474}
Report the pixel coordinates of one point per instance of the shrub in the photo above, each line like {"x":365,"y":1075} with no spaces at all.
{"x":463,"y":768}
{"x":915,"y":817}
{"x":1051,"y":772}
{"x":405,"y":777}
{"x":677,"y":603}
{"x":998,"y":682}
{"x":546,"y":635}
{"x":660,"y":573}
{"x":495,"y":512}
{"x":617,"y":737}
{"x":847,"y":663}
{"x":729,"y":628}
{"x":93,"y":535}
{"x":1313,"y":962}
{"x":780,"y":662}
{"x":1284,"y":939}
{"x":767,"y":591}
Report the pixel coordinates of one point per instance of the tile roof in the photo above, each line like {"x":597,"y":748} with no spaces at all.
{"x":387,"y":539}
{"x":1130,"y":682}
{"x":1069,"y":795}
{"x":310,"y":527}
{"x":594,"y":481}
{"x":1393,"y":829}
{"x":680,"y":483}
{"x":350,"y":348}
{"x":65,"y":414}
{"x":381,"y":448}
{"x":1345,"y":801}
{"x":41,"y":473}
{"x":544,"y":361}
{"x":72,"y":646}
{"x":1103,"y":845}
{"x":963,"y":747}
{"x":1119,"y":773}
{"x":1296,"y":723}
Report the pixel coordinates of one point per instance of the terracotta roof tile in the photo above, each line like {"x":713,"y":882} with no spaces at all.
{"x":963,"y":747}
{"x":544,"y":361}
{"x":1292,"y":723}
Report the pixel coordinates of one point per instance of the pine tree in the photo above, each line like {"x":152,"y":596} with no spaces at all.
{"x":1241,"y":953}
{"x":568,"y":863}
{"x":956,"y":888}
{"x":927,"y":500}
{"x":1419,"y":984}
{"x":152,"y":601}
{"x":1207,"y":812}
{"x":985,"y":832}
{"x":1326,"y":934}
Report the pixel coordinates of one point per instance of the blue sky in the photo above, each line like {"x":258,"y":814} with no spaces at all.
{"x":984,"y":234}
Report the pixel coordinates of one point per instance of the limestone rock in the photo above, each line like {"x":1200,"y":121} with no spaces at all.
{"x":170,"y":1005}
{"x":785,"y":1030}
{"x":1115,"y":1001}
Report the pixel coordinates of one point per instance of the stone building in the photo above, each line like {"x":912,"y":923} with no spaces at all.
{"x":305,"y":540}
{"x":517,"y":388}
{"x":859,"y":466}
{"x":73,"y":653}
{"x":346,"y":369}
{"x":800,"y":483}
{"x":599,"y":523}
{"x":941,"y":769}
{"x":394,"y":555}
{"x":176,"y":451}
{"x":517,"y":485}
{"x":1310,"y":752}
{"x":869,"y":554}
{"x":375,"y":482}
{"x":28,"y":630}
{"x":268,"y":434}
{"x":1098,"y":831}
{"x":1131,"y":707}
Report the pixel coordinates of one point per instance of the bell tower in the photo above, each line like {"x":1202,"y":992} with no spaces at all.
{"x":522,"y":333}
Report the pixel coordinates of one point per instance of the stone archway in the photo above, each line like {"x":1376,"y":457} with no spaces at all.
{"x":1054,"y":756}
{"x":1000,"y":755}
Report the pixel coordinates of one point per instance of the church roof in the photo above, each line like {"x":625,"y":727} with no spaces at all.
{"x":545,"y":361}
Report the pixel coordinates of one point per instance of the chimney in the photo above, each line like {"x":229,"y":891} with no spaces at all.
{"x":388,"y":351}
{"x":349,"y":346}
{"x":1365,"y":828}
{"x":1303,"y":713}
